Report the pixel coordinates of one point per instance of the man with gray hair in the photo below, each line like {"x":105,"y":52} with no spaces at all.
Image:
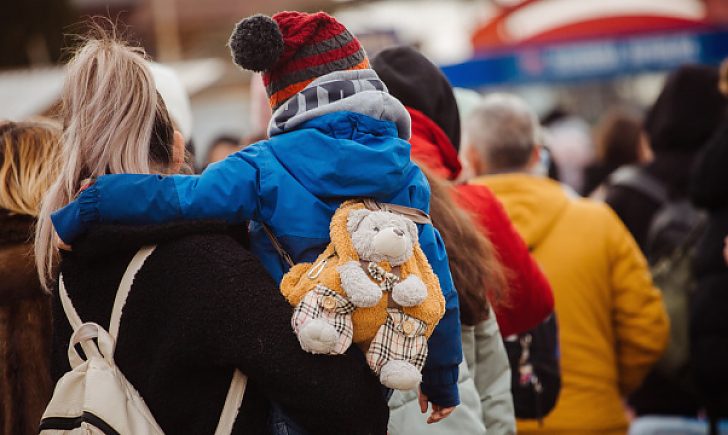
{"x":504,"y":133}
{"x":612,"y":322}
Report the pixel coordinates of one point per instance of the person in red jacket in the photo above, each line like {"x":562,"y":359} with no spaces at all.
{"x":430,"y":101}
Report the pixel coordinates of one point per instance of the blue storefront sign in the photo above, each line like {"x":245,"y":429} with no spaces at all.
{"x":593,"y":59}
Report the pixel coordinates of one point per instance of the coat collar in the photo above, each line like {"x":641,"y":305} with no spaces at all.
{"x":108,"y":240}
{"x":15,"y":228}
{"x":432,"y":147}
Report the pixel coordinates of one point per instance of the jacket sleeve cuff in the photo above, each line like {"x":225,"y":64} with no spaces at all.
{"x":441,"y":386}
{"x":73,"y":220}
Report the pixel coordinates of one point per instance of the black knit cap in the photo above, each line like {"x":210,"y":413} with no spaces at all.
{"x":687,"y":111}
{"x":419,"y":84}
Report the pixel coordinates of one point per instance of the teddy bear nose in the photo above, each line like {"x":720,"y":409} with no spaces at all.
{"x":398,"y":232}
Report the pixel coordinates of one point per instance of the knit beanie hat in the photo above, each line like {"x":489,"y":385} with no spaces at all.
{"x":418,"y":83}
{"x":292,"y":49}
{"x":687,"y":111}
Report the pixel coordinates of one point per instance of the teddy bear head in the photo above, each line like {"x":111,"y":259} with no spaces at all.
{"x":381,"y":235}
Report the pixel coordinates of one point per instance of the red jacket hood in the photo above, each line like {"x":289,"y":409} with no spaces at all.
{"x":431,"y":146}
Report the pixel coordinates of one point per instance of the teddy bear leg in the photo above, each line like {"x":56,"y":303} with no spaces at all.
{"x":400,"y":375}
{"x":362,"y":292}
{"x":318,"y":336}
{"x":410,"y":292}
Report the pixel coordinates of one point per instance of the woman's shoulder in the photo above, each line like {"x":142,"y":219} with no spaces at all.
{"x":211,"y":256}
{"x":191,"y":253}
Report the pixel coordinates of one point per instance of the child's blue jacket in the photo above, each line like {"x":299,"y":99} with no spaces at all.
{"x":293,"y":182}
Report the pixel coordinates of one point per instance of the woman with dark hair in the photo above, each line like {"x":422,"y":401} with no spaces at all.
{"x":435,"y":142}
{"x":490,"y":263}
{"x":620,"y":142}
{"x":484,"y":382}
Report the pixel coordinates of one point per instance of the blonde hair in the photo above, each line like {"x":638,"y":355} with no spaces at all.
{"x":28,"y":164}
{"x":114,"y":121}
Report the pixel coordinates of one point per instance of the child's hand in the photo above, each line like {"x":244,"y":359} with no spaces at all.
{"x":438,"y":412}
{"x":725,"y":250}
{"x":60,"y":244}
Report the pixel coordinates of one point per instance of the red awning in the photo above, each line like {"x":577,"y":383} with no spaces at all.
{"x":540,"y":21}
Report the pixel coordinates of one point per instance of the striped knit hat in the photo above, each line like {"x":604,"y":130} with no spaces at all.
{"x":292,"y":49}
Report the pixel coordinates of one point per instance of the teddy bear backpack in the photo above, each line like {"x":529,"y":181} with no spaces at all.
{"x":95,"y":397}
{"x":372,"y":286}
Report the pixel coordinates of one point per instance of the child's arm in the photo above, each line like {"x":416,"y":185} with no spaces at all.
{"x":227,"y":190}
{"x":440,"y":374}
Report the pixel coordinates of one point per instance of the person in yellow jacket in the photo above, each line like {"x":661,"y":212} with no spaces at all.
{"x":612,"y":322}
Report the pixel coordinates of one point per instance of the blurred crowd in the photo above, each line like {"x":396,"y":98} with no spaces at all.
{"x":590,"y":262}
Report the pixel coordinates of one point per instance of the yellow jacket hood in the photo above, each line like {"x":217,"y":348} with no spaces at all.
{"x":534,"y":204}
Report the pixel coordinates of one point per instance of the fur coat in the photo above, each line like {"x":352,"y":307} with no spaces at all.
{"x":25,"y":326}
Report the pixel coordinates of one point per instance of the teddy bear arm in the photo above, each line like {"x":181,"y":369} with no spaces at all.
{"x":409,"y":292}
{"x":358,"y":287}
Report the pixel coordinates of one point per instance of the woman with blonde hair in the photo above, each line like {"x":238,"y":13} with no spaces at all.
{"x":201,"y":305}
{"x":28,"y":164}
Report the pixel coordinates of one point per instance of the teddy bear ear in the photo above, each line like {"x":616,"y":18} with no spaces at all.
{"x":412,"y":230}
{"x":355,"y":218}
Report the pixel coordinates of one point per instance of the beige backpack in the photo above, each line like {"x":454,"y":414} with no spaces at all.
{"x":95,"y":397}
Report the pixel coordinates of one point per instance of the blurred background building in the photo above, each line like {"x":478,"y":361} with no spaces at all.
{"x":563,"y":56}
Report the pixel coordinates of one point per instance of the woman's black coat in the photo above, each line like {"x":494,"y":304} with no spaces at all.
{"x":200,"y":306}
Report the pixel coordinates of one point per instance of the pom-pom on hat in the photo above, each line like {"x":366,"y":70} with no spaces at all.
{"x":292,"y":49}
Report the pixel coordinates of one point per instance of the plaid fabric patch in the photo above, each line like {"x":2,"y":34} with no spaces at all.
{"x":324,"y":303}
{"x":386,"y":280}
{"x":402,"y":337}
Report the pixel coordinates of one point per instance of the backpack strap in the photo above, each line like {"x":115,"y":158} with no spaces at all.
{"x":414,"y":214}
{"x":232,"y":403}
{"x":122,"y":293}
{"x":277,"y":245}
{"x":73,"y":318}
{"x":635,"y":178}
{"x":236,"y":391}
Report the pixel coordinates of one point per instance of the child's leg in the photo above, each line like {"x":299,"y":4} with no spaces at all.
{"x":282,"y":424}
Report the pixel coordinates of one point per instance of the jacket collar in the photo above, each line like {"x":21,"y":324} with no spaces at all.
{"x":15,"y":228}
{"x":434,"y":148}
{"x":357,"y":91}
{"x":533,"y":203}
{"x":109,"y":240}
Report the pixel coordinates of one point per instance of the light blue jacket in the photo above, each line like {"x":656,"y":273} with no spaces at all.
{"x":293,"y":182}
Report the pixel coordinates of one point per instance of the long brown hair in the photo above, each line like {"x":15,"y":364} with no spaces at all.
{"x":477,"y":272}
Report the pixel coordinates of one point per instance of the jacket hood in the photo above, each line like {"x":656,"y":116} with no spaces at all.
{"x":534,"y":204}
{"x":432,"y":147}
{"x":359,"y":91}
{"x":347,"y":154}
{"x":418,"y":83}
{"x":106,"y":240}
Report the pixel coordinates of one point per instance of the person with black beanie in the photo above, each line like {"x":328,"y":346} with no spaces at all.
{"x":429,"y":98}
{"x":411,"y":78}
